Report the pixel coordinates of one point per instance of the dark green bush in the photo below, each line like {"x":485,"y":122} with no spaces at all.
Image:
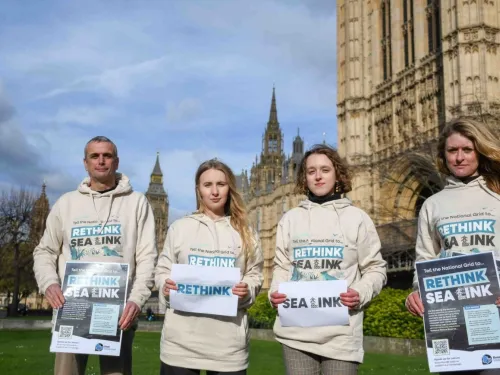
{"x":261,"y":314}
{"x":387,"y":316}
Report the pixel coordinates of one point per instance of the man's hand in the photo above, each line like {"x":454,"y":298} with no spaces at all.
{"x":169,"y":285}
{"x":55,"y":296}
{"x":277,"y":298}
{"x":130,"y":312}
{"x":350,"y":299}
{"x":240,"y":290}
{"x":414,"y":304}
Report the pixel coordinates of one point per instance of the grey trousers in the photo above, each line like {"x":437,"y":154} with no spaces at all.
{"x":298,"y":362}
{"x":75,"y":364}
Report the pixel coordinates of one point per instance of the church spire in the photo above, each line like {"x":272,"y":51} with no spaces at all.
{"x":273,"y":114}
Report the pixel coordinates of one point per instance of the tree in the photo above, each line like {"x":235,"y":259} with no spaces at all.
{"x":15,"y":251}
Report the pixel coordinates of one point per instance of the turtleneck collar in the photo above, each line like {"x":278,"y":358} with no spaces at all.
{"x":466,"y":180}
{"x":323,"y":199}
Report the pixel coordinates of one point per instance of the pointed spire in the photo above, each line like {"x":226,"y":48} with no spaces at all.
{"x":157,"y":170}
{"x":273,"y":114}
{"x":44,"y":186}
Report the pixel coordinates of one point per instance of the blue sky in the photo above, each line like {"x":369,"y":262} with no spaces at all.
{"x":191,"y":79}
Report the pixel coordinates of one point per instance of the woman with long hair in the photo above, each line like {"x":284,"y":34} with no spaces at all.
{"x":326,"y":219}
{"x":469,"y":155}
{"x":217,"y":231}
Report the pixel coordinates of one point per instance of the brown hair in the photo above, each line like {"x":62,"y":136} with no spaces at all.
{"x":486,"y":144}
{"x":235,"y":207}
{"x":342,"y":172}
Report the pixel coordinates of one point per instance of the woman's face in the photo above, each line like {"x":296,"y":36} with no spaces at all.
{"x":320,"y":175}
{"x":461,"y":156}
{"x":214,"y":190}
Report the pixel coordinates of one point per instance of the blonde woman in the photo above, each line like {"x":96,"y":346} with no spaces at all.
{"x":194,"y":342}
{"x":469,"y":154}
{"x":326,"y":219}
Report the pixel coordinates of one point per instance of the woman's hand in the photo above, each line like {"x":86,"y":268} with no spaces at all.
{"x":240,"y":290}
{"x":169,"y":285}
{"x":415,"y":306}
{"x":350,"y":298}
{"x":277,"y":298}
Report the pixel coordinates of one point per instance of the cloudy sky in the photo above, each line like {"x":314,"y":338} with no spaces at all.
{"x":191,"y":79}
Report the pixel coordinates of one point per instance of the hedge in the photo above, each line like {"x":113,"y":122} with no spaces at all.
{"x":261,"y":314}
{"x":385,"y":316}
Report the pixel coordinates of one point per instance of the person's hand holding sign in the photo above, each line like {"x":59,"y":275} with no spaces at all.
{"x":169,"y":285}
{"x":277,"y":298}
{"x":350,"y":299}
{"x":55,"y":296}
{"x":240,"y":290}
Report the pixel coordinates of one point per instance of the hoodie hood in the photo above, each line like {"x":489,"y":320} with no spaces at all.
{"x":103,"y":212}
{"x":334,"y":205}
{"x":123,"y":186}
{"x":212,"y":226}
{"x":337,"y":203}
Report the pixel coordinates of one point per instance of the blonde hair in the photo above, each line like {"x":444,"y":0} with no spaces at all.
{"x":485,"y":142}
{"x":235,"y":207}
{"x":342,"y":172}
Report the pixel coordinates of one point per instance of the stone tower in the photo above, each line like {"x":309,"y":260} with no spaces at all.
{"x":39,"y":217}
{"x":267,"y":173}
{"x":269,"y":190}
{"x":158,"y":199}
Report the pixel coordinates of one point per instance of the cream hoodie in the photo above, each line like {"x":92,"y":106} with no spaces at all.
{"x":199,"y":341}
{"x":334,"y":223}
{"x":116,"y":226}
{"x":462,"y":218}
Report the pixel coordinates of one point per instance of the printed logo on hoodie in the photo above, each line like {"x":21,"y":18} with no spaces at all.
{"x":470,"y":230}
{"x":211,"y":258}
{"x":92,"y":239}
{"x":317,"y":259}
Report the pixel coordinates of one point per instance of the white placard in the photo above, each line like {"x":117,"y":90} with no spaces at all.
{"x":206,"y":290}
{"x":313,"y":304}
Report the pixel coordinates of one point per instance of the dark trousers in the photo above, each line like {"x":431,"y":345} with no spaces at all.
{"x":171,"y":370}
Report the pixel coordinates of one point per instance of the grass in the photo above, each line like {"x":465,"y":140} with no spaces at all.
{"x":27,"y":352}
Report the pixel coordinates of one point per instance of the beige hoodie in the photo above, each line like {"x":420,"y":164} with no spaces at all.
{"x":199,"y":341}
{"x":116,"y":226}
{"x":462,"y":218}
{"x":334,"y":223}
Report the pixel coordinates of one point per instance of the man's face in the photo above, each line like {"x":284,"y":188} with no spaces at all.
{"x":101,"y":163}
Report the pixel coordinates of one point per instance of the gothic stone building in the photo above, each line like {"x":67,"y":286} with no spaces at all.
{"x":268,"y":191}
{"x":405,"y":67}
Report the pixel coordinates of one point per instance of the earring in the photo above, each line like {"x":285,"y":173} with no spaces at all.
{"x":338,"y":190}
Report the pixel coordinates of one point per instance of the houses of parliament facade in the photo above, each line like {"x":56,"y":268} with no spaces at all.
{"x":404,"y":68}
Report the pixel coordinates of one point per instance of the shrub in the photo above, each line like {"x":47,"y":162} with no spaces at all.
{"x":387,"y":316}
{"x":261,"y":314}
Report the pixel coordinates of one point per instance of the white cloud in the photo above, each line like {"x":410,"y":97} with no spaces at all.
{"x":184,"y":111}
{"x":84,"y":115}
{"x":118,"y":82}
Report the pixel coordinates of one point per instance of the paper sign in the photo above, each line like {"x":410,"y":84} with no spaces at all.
{"x":313,"y":304}
{"x":95,"y":295}
{"x":205,"y":290}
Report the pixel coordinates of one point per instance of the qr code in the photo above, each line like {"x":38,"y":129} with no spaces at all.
{"x":65,"y":332}
{"x":440,"y":347}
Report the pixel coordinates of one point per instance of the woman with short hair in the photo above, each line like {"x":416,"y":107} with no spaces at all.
{"x":327,"y":219}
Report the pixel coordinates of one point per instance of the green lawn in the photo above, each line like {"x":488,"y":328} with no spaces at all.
{"x":27,"y":352}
